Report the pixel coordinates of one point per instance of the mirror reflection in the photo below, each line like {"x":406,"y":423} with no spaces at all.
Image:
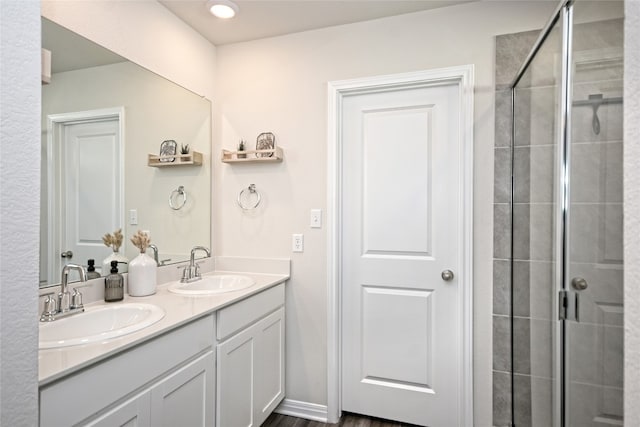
{"x":102,"y":118}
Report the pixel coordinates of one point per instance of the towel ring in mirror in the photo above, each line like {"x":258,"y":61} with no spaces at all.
{"x":178,"y":198}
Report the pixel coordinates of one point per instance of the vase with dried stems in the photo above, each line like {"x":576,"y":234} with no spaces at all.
{"x":143,"y":270}
{"x":114,"y":241}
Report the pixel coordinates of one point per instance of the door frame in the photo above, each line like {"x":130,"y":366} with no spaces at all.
{"x":463,"y":76}
{"x":55,"y":126}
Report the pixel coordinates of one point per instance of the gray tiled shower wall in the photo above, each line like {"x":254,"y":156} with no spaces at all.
{"x":595,"y":386}
{"x":511,"y":51}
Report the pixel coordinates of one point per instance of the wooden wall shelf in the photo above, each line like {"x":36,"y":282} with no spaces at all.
{"x":232,"y":156}
{"x":192,"y":159}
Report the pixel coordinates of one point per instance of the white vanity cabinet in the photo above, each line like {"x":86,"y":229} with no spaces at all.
{"x":167,"y":381}
{"x":250,"y":359}
{"x":178,"y":400}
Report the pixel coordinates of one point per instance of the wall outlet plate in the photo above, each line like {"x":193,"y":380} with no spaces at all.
{"x":297,"y":243}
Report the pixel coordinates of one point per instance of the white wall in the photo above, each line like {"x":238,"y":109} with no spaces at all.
{"x":632,"y":214}
{"x":19,"y":210}
{"x":280,"y":85}
{"x":144,"y":32}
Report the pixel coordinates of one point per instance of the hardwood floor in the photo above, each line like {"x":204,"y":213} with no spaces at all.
{"x":347,"y":420}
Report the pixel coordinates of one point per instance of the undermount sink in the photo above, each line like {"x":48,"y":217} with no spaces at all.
{"x":98,"y":324}
{"x":213,"y":284}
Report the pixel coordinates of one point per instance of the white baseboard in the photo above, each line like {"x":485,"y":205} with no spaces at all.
{"x":306,"y":410}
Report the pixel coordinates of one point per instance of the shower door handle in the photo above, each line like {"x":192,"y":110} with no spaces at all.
{"x":578,"y":284}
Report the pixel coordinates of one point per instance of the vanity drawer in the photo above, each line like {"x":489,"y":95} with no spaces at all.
{"x":91,"y":390}
{"x":240,"y":315}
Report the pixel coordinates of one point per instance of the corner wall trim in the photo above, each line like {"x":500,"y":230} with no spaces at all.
{"x":306,"y":410}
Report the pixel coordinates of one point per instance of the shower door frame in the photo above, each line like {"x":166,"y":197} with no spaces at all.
{"x":564,"y":14}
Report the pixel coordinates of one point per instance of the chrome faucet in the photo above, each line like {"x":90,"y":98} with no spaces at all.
{"x":67,"y":303}
{"x":155,"y":253}
{"x":191,"y":273}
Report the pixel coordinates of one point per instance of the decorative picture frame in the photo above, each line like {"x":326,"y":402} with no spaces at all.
{"x":168,"y":148}
{"x":265,"y":141}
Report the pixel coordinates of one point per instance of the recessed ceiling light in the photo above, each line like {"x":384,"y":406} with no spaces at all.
{"x":224,"y":9}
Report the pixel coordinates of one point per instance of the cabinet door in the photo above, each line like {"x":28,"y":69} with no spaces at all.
{"x":251,"y":373}
{"x":235,"y":381}
{"x":269,"y":365}
{"x":185,"y":398}
{"x":134,"y":412}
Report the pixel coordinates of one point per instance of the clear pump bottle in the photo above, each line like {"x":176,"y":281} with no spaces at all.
{"x":114,"y":284}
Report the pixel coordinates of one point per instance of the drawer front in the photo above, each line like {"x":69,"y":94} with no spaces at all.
{"x":99,"y":386}
{"x":242,"y":314}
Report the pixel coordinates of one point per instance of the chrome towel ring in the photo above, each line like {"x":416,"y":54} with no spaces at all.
{"x":175,"y":201}
{"x":243,"y":200}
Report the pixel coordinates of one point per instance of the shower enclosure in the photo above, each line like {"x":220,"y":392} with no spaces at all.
{"x":566,"y":306}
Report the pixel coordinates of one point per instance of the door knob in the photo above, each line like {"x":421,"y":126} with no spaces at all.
{"x":447,"y":275}
{"x":579,"y":284}
{"x":67,"y":254}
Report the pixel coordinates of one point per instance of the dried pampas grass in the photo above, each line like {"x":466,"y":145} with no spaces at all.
{"x":141,"y":241}
{"x":114,"y":241}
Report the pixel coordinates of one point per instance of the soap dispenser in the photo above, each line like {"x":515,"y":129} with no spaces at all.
{"x":114,"y":284}
{"x":91,"y":270}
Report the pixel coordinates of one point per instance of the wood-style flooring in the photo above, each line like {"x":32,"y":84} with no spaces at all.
{"x":347,"y":420}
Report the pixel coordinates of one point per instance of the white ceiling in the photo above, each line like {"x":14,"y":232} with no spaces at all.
{"x":267,"y":18}
{"x":256,"y":19}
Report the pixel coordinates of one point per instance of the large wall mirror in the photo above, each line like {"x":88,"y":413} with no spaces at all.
{"x":102,"y":115}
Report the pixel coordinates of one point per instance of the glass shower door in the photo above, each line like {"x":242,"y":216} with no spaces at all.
{"x":567,"y":231}
{"x":594,"y":269}
{"x":537,"y":227}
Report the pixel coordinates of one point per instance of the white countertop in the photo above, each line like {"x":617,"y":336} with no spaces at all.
{"x":179,"y":310}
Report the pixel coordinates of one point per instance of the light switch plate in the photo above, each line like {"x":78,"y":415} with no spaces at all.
{"x":315,"y":220}
{"x":133,"y":217}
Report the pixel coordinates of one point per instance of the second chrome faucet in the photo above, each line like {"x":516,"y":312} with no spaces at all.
{"x":191,"y":273}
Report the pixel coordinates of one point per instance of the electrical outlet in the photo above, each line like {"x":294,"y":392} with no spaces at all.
{"x":133,"y":217}
{"x":315,"y":220}
{"x":297,"y":243}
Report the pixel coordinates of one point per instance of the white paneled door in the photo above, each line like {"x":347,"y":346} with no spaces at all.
{"x":401,"y":254}
{"x":91,"y":187}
